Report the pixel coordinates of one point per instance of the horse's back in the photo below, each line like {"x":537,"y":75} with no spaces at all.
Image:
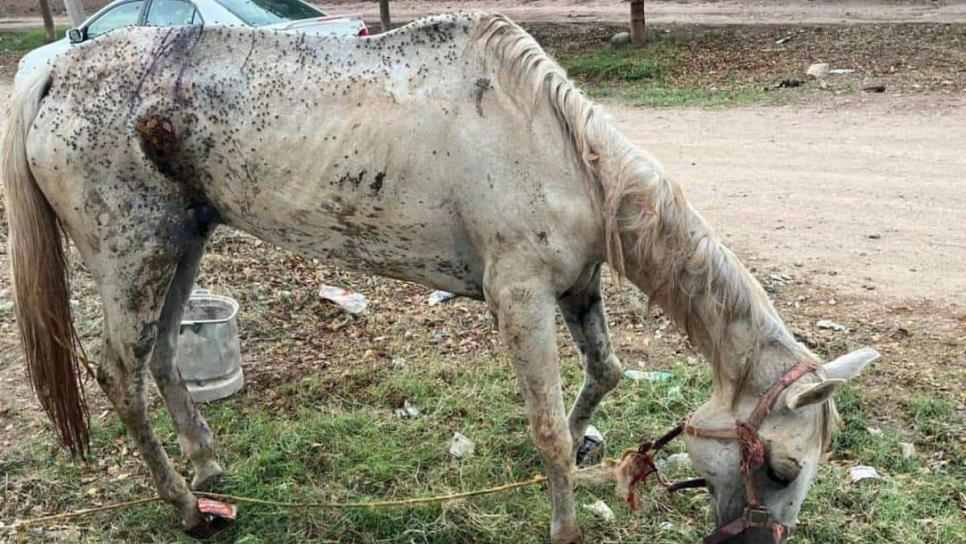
{"x":397,"y":154}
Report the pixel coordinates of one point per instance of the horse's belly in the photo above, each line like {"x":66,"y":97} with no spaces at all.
{"x":423,"y":242}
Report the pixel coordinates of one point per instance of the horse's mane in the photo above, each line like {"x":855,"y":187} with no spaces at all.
{"x":646,"y":217}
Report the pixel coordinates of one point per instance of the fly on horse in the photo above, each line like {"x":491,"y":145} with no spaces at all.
{"x":452,"y":152}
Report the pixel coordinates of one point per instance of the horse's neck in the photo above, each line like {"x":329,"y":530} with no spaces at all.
{"x":672,"y":255}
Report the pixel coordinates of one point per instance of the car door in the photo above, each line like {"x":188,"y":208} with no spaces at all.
{"x":172,"y":13}
{"x":119,"y":16}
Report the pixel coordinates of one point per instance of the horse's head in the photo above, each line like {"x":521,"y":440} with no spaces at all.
{"x":791,"y":434}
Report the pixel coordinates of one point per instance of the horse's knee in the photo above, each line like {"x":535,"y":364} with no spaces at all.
{"x":610,"y":372}
{"x":553,"y":441}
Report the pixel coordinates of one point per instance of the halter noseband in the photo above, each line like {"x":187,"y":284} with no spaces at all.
{"x":756,"y":514}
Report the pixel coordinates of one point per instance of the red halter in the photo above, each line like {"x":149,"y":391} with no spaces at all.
{"x":756,"y":514}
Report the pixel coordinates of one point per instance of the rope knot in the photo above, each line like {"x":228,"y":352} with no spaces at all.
{"x":752,"y":448}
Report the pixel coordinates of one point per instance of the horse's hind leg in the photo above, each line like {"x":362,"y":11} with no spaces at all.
{"x":525,"y":312}
{"x":193,"y":432}
{"x":133,"y":231}
{"x":583,"y":310}
{"x":133,"y":298}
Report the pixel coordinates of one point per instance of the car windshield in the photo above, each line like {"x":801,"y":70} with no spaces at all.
{"x":267,"y":12}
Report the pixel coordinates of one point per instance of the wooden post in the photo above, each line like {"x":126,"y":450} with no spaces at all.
{"x":75,"y":12}
{"x":48,"y":20}
{"x":638,"y":34}
{"x":384,"y":15}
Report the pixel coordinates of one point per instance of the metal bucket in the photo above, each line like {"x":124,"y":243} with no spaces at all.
{"x":209,"y":354}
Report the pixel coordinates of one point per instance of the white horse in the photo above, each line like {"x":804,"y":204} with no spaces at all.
{"x":451,"y":152}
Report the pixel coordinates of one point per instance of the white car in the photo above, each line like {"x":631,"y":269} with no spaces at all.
{"x":285,"y":15}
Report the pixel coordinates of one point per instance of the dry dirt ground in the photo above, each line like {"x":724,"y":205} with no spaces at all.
{"x":847,"y":208}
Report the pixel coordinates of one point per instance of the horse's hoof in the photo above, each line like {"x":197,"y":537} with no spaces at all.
{"x":209,"y":526}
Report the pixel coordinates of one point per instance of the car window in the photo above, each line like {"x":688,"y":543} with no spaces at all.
{"x":267,"y":12}
{"x":122,"y":15}
{"x":172,"y":13}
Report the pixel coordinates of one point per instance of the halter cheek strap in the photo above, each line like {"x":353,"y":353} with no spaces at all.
{"x":755,"y":515}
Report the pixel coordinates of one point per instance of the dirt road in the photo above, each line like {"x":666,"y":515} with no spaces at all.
{"x":869,"y":190}
{"x":692,"y":12}
{"x":863,"y":195}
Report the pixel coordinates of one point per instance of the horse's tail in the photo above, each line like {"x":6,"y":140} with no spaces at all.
{"x":41,"y":279}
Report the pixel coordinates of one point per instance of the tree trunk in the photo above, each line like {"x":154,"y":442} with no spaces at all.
{"x":384,"y":15}
{"x":638,"y":35}
{"x":75,"y":12}
{"x":48,"y":20}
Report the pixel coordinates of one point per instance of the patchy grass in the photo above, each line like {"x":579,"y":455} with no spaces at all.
{"x":25,"y":40}
{"x":340,"y":441}
{"x":653,"y":75}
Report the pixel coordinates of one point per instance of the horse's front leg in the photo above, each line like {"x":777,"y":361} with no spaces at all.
{"x":583,"y":310}
{"x":525,"y":312}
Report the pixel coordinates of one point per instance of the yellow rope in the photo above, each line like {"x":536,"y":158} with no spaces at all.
{"x":537,"y":479}
{"x":83,"y":512}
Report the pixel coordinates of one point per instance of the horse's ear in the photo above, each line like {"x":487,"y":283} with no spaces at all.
{"x":813,"y":393}
{"x":848,"y":366}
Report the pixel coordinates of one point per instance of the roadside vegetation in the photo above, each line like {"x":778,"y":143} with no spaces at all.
{"x":25,"y":40}
{"x":316,"y":422}
{"x":339,"y":441}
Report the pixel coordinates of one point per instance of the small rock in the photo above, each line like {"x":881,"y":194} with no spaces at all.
{"x":620,"y":39}
{"x":460,"y":446}
{"x":829,"y":325}
{"x":863,"y":472}
{"x":819,"y":70}
{"x":600,"y":509}
{"x":874,"y":89}
{"x":840,"y":71}
{"x":666,"y":526}
{"x":908,"y":449}
{"x":399,"y":363}
{"x":874,"y":431}
{"x":875,"y":236}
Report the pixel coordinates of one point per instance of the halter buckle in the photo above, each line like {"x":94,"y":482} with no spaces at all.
{"x":757,"y":516}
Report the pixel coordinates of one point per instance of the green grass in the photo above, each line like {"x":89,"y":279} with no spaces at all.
{"x":341,"y":442}
{"x":654,"y":74}
{"x":25,"y":40}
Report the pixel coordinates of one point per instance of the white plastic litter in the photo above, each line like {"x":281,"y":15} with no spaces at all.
{"x":408,"y":411}
{"x":651,"y":376}
{"x":438,"y":297}
{"x":600,"y":509}
{"x":908,"y":449}
{"x":863,"y":472}
{"x":829,"y":325}
{"x":460,"y":446}
{"x":676,"y":461}
{"x":354,"y":303}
